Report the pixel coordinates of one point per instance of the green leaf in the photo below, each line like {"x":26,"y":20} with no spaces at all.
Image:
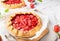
{"x":40,"y":0}
{"x":6,"y":10}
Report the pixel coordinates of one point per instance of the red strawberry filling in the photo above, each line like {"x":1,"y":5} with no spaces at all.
{"x":12,"y":1}
{"x":24,"y":22}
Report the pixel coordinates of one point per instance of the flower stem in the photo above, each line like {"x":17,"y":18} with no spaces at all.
{"x":58,"y":35}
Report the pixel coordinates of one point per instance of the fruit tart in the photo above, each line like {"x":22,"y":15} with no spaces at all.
{"x":13,"y":3}
{"x":24,"y":24}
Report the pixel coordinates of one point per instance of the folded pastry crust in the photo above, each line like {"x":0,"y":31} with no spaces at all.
{"x":12,"y":6}
{"x":20,"y":33}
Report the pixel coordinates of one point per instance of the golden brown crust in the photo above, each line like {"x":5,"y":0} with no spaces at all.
{"x":12,"y":6}
{"x":30,"y":33}
{"x":36,"y":39}
{"x":42,"y":34}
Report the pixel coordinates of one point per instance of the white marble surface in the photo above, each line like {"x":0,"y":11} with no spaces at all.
{"x":50,"y":8}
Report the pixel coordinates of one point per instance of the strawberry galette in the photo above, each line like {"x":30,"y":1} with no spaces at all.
{"x":24,"y":24}
{"x":13,"y":3}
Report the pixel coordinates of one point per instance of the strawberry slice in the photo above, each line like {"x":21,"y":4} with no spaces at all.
{"x":56,"y":28}
{"x":31,"y":0}
{"x":17,"y":19}
{"x":32,"y":6}
{"x":29,"y":22}
{"x":31,"y":16}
